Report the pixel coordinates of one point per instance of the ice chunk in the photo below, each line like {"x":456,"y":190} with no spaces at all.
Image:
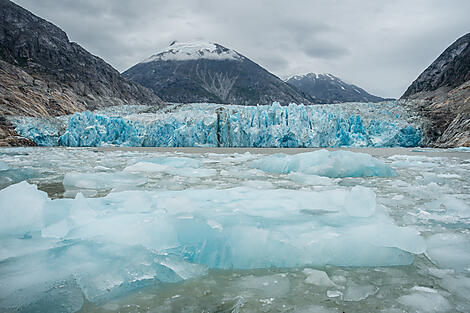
{"x":425,"y":302}
{"x":459,"y":285}
{"x":310,"y":179}
{"x":449,"y":250}
{"x":325,"y":163}
{"x":360,"y":202}
{"x":266,"y":286}
{"x":22,"y":208}
{"x":334,"y":294}
{"x":356,"y":292}
{"x":102,"y":180}
{"x":57,"y":230}
{"x":318,"y":309}
{"x":128,"y":239}
{"x":146,"y":167}
{"x":319,"y":278}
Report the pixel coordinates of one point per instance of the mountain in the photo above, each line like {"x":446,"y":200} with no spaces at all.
{"x":188,"y":72}
{"x":42,"y":73}
{"x":444,"y":91}
{"x":326,"y":88}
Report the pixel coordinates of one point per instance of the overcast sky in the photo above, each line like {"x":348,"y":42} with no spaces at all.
{"x":379,"y":45}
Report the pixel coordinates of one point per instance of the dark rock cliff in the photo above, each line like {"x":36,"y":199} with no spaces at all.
{"x":443,"y":94}
{"x":42,"y":73}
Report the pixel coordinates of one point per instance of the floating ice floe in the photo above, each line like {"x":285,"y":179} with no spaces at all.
{"x":325,"y":163}
{"x":106,"y":246}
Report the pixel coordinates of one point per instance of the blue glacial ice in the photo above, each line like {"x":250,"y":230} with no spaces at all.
{"x":324,"y":163}
{"x":106,"y":246}
{"x":340,"y":125}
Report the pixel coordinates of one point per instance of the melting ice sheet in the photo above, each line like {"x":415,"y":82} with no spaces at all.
{"x":134,"y":219}
{"x":385,"y":124}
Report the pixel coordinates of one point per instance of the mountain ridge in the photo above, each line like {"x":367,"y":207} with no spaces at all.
{"x":327,"y":88}
{"x":443,"y":94}
{"x":44,"y":74}
{"x":209,"y":72}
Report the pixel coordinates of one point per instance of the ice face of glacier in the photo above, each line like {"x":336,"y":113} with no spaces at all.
{"x":339,"y":125}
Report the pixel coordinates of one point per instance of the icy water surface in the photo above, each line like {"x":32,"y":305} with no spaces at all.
{"x":233,"y":230}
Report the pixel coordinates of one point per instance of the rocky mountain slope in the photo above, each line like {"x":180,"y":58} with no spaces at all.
{"x":42,"y":73}
{"x":208,"y":72}
{"x":443,"y":91}
{"x":327,"y":88}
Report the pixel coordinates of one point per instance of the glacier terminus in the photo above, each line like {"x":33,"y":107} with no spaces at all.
{"x":214,"y":125}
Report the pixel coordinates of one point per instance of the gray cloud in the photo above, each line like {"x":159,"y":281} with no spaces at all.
{"x":381,"y":46}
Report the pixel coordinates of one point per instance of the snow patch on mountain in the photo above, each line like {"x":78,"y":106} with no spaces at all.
{"x":183,"y":51}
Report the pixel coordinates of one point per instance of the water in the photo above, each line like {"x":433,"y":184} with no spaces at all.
{"x":429,"y":192}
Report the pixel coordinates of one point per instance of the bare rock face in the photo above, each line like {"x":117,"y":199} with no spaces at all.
{"x":208,"y":72}
{"x":443,"y":91}
{"x":42,"y":73}
{"x":451,"y":69}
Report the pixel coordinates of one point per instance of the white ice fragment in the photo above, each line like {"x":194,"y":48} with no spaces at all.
{"x":275,"y":285}
{"x":424,"y":289}
{"x":356,"y":292}
{"x":176,"y":169}
{"x":183,"y":269}
{"x":310,"y":179}
{"x":425,"y":302}
{"x":57,"y":230}
{"x":458,"y":285}
{"x":440,"y":273}
{"x":334,"y":293}
{"x":360,"y":202}
{"x":146,"y":167}
{"x":319,"y":278}
{"x":317,"y":309}
{"x":214,"y":224}
{"x":102,"y":180}
{"x":449,"y":250}
{"x":80,"y":211}
{"x":22,"y":209}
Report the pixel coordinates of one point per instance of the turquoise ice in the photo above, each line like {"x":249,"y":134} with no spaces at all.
{"x":345,"y":125}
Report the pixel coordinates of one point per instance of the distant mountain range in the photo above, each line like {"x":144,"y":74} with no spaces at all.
{"x":188,"y":72}
{"x":42,"y":73}
{"x":326,"y":88}
{"x":444,"y":88}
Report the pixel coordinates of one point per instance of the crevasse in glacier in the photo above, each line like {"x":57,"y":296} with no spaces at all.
{"x":340,"y":125}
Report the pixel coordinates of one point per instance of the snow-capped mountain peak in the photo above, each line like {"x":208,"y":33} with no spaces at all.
{"x":327,"y":88}
{"x":314,"y":76}
{"x":183,"y":51}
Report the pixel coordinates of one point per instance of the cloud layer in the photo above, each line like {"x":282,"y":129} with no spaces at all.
{"x":382,"y":46}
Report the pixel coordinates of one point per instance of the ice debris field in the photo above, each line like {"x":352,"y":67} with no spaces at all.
{"x":387,"y":124}
{"x":324,"y":231}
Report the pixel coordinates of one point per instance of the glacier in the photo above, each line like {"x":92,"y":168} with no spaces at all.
{"x":386,"y":124}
